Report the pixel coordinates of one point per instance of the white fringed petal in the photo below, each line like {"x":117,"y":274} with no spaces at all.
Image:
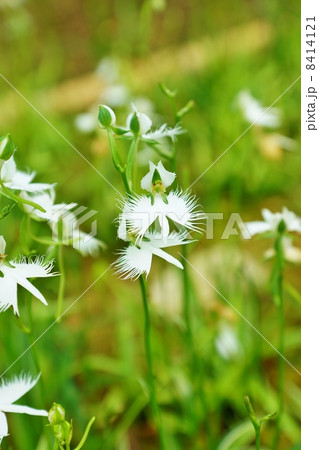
{"x":19,"y":274}
{"x":12,"y":390}
{"x":139,"y":213}
{"x":135,"y":261}
{"x":3,"y":426}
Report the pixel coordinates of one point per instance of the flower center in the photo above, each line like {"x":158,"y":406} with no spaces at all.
{"x":158,"y":187}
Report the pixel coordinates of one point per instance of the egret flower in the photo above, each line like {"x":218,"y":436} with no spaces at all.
{"x":16,"y":180}
{"x":10,"y":392}
{"x":145,"y":125}
{"x":136,"y":260}
{"x":140,"y":212}
{"x":272,"y":220}
{"x":17,"y":272}
{"x":138,"y":124}
{"x":292,"y":254}
{"x":85,"y":243}
{"x":255,"y":113}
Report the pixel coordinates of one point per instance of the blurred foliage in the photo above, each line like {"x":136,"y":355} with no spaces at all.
{"x":93,"y":362}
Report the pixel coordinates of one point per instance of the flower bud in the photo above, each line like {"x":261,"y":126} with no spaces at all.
{"x":63,"y":432}
{"x":106,"y":116}
{"x":281,"y":226}
{"x":134,"y":124}
{"x":56,"y":414}
{"x":6,"y":147}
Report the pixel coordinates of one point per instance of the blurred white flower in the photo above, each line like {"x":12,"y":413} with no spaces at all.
{"x":86,"y":122}
{"x":140,"y":212}
{"x":108,"y":69}
{"x":291,"y":253}
{"x":272,"y":220}
{"x":17,"y":272}
{"x":85,"y":243}
{"x":10,"y":392}
{"x":227,"y":343}
{"x":116,"y":95}
{"x":136,"y":260}
{"x":255,"y":113}
{"x":17,"y":180}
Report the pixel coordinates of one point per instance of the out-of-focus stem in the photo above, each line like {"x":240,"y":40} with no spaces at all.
{"x":148,"y":350}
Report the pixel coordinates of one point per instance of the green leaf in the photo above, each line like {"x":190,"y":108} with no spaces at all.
{"x":6,"y":210}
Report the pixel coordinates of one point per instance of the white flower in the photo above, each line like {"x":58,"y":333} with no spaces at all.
{"x":116,"y":95}
{"x":166,"y":177}
{"x":227,"y":343}
{"x":140,"y":212}
{"x":272,"y":220}
{"x":10,"y":392}
{"x":85,"y":122}
{"x":291,"y":253}
{"x":18,"y":272}
{"x":53,"y":212}
{"x":137,"y":260}
{"x":19,"y":181}
{"x":253,"y":111}
{"x":87,"y":244}
{"x":145,"y":125}
{"x":83,"y":242}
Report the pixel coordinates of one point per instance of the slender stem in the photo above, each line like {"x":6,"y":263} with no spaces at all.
{"x":257,"y":430}
{"x":36,"y":356}
{"x":18,"y":199}
{"x":197,"y":368}
{"x":278,"y":296}
{"x":117,"y":162}
{"x":62,"y":283}
{"x":151,"y":383}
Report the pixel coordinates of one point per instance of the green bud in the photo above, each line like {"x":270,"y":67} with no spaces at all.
{"x":186,"y":109}
{"x":6,"y":147}
{"x":281,"y":227}
{"x":248,"y":406}
{"x":106,"y":117}
{"x":56,"y":414}
{"x":135,"y":124}
{"x":166,"y":90}
{"x":63,"y":432}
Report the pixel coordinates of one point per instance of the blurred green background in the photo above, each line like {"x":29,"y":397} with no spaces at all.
{"x":68,"y":56}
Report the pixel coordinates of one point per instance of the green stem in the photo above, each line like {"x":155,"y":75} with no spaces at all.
{"x":151,"y":384}
{"x":18,"y":199}
{"x":257,"y":430}
{"x":130,"y":167}
{"x":197,"y":368}
{"x":35,"y":355}
{"x":116,"y":161}
{"x":61,"y":285}
{"x":85,"y":435}
{"x":278,"y":296}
